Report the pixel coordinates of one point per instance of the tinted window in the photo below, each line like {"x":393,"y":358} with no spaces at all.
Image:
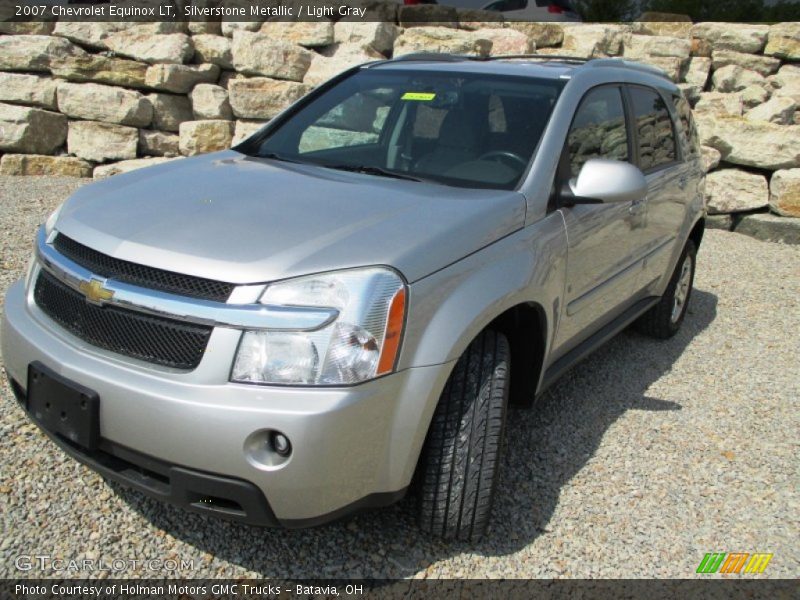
{"x":465,"y":129}
{"x":654,"y":129}
{"x":689,"y":135}
{"x":599,"y":129}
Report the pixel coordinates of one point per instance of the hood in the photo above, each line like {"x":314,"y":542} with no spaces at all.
{"x":234,"y":218}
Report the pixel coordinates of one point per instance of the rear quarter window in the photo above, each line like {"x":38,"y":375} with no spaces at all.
{"x":688,"y":134}
{"x":654,"y":130}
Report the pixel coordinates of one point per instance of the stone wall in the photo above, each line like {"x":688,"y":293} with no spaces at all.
{"x":95,"y":99}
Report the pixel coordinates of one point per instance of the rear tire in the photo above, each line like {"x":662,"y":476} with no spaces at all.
{"x":665,"y":318}
{"x":461,"y":457}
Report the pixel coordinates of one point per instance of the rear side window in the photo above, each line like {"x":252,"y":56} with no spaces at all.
{"x":655,"y":134}
{"x":599,"y":129}
{"x":689,"y":129}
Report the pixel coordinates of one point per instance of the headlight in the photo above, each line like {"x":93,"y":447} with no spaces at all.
{"x":362,"y":343}
{"x":50,"y":223}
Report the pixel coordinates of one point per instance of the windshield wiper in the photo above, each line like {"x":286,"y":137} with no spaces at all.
{"x":280,"y":157}
{"x":368,"y":170}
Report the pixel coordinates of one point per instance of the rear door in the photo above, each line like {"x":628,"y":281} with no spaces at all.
{"x":603,"y":238}
{"x":658,"y":155}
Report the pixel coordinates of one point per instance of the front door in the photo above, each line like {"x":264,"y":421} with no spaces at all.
{"x":603,"y":239}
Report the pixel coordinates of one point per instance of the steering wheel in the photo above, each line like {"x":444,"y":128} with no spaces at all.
{"x":504,"y":154}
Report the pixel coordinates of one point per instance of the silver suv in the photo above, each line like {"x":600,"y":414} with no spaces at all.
{"x":346,"y":302}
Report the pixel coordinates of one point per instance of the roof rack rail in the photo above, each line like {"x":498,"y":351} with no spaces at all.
{"x":432,"y":56}
{"x":629,"y":64}
{"x":564,"y":57}
{"x":590,"y":62}
{"x":442,"y":57}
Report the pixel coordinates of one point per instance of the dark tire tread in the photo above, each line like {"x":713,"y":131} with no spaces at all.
{"x":461,"y":457}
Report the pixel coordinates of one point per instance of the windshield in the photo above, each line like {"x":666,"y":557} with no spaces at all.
{"x":461,"y":129}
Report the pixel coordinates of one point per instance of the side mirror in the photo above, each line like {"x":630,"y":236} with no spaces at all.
{"x":602,"y":180}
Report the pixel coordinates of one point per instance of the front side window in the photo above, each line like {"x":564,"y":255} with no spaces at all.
{"x":654,"y":129}
{"x":598,"y":129}
{"x":464,"y":129}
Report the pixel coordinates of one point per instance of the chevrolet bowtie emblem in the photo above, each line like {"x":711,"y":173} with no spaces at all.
{"x":95,"y":292}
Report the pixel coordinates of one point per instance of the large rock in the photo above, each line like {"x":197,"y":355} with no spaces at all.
{"x":260,"y":54}
{"x":784,"y":192}
{"x":543,"y":35}
{"x":37,"y":164}
{"x":719,"y":104}
{"x":229,"y":28}
{"x":200,"y":137}
{"x":784,"y":40}
{"x":740,"y":37}
{"x":788,"y":81}
{"x":310,"y":34}
{"x":32,"y":90}
{"x":170,"y":111}
{"x":378,"y":36}
{"x":734,"y":190}
{"x":441,"y":39}
{"x":690,"y":91}
{"x":711,"y":158}
{"x":697,"y":71}
{"x":263,"y":98}
{"x":158,"y":143}
{"x":591,"y":41}
{"x":671,"y":65}
{"x":507,"y":41}
{"x":667,"y":24}
{"x":763,"y":65}
{"x":723,"y":222}
{"x":734,"y":78}
{"x":180,"y":79}
{"x":244,"y":129}
{"x":770,"y":228}
{"x":30,"y":130}
{"x":96,"y":102}
{"x":751,"y":143}
{"x":779,"y":110}
{"x":99,"y":142}
{"x":88,"y":33}
{"x":100,"y":69}
{"x":34,"y":52}
{"x":214,"y":49}
{"x":210,"y":102}
{"x":753,"y":95}
{"x":126,"y":166}
{"x":26,"y":28}
{"x":202,"y":27}
{"x":337,"y":58}
{"x":142,"y":45}
{"x":643,"y":47}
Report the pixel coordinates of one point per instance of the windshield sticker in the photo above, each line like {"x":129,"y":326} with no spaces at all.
{"x":419,"y":96}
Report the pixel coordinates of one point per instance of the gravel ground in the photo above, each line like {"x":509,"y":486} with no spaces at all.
{"x":644,"y":458}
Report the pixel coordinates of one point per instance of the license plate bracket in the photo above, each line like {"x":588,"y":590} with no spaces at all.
{"x":63,"y":407}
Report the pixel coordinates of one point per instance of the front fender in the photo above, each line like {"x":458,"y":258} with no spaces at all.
{"x":449,"y":308}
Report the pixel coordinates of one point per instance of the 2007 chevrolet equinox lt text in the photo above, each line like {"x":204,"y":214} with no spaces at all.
{"x":347,"y":301}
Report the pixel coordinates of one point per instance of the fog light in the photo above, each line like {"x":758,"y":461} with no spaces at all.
{"x":281,"y":444}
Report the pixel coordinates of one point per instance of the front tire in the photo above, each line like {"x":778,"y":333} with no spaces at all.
{"x":461,"y":457}
{"x":665,"y":318}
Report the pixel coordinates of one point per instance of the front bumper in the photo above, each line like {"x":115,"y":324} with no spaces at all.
{"x":350,"y":446}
